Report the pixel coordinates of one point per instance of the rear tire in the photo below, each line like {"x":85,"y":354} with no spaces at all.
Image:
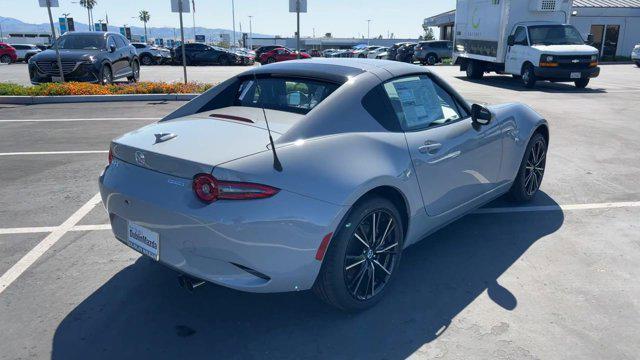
{"x":5,"y":59}
{"x":474,"y":70}
{"x":224,"y":61}
{"x":529,"y":76}
{"x":349,"y":263}
{"x":582,"y":83}
{"x":271,"y":60}
{"x":531,"y":172}
{"x":432,"y":59}
{"x":638,"y":63}
{"x":135,"y":67}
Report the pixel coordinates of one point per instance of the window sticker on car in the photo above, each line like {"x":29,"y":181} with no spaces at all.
{"x":419,"y":102}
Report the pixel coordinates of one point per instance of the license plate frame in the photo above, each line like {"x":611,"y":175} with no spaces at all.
{"x":143,"y":240}
{"x":576,"y":75}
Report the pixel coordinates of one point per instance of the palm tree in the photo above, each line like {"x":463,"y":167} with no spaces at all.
{"x":89,"y":4}
{"x":144,"y":16}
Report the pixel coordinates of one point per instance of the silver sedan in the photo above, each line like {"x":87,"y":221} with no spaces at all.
{"x":315,"y":175}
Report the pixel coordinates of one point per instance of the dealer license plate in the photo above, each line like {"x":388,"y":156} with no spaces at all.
{"x":56,"y":79}
{"x":143,"y":240}
{"x":576,"y":75}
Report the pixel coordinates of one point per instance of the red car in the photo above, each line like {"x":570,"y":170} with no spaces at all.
{"x":280,"y":54}
{"x":7,"y":53}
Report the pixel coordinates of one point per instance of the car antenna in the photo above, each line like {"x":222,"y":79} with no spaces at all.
{"x":276,"y":162}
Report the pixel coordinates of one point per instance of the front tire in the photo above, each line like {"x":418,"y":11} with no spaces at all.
{"x":5,"y":59}
{"x":146,"y":60}
{"x":528,"y":76}
{"x":271,"y":60}
{"x":582,"y":83}
{"x":529,"y":178}
{"x":106,"y":75}
{"x":362,"y":257}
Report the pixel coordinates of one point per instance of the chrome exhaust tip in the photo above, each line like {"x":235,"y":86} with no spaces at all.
{"x":189,"y":283}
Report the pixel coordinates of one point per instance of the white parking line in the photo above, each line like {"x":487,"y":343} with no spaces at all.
{"x":32,"y":256}
{"x":47,"y":229}
{"x":55,"y":152}
{"x":84,"y":119}
{"x":610,"y":205}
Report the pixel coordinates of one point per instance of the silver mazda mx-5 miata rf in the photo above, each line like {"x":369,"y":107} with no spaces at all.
{"x":315,"y":174}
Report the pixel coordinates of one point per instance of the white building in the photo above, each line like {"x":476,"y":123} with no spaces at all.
{"x":614,"y":24}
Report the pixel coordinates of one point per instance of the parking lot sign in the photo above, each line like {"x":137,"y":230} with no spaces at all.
{"x":51,"y":3}
{"x":175,"y":6}
{"x":200,"y":38}
{"x":293,"y":6}
{"x":71,"y":26}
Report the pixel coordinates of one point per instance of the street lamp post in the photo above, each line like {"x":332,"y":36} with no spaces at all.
{"x":368,"y":33}
{"x":233,"y":18}
{"x":55,"y":43}
{"x":298,"y":28}
{"x":250,"y":34}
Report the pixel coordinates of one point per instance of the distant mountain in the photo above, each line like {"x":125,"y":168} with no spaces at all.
{"x":11,"y":25}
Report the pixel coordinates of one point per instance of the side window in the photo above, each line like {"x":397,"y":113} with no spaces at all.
{"x":111,"y":42}
{"x":520,"y":36}
{"x":120,"y":42}
{"x":419,"y":103}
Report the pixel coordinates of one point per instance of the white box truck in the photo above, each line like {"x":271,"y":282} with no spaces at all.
{"x":530,"y":39}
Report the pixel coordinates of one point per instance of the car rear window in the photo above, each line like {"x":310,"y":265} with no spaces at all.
{"x":285,"y":94}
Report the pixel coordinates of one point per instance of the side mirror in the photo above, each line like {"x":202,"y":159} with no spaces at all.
{"x":511,"y":40}
{"x":112,"y":48}
{"x":480,"y":114}
{"x":590,"y":39}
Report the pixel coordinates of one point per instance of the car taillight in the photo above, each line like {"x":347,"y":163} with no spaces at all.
{"x":210,"y":189}
{"x":110,"y":156}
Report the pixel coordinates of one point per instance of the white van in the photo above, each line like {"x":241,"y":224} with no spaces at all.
{"x":529,"y":39}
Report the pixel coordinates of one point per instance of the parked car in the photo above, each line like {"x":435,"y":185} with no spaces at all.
{"x":25,"y":51}
{"x":393,"y":50}
{"x":210,"y":192}
{"x":315,"y":53}
{"x":635,"y":55}
{"x":152,"y":55}
{"x":342,"y":53}
{"x":263,"y":49}
{"x":97,"y":57}
{"x":7,"y":54}
{"x":432,"y":52}
{"x":373,"y":54}
{"x":202,"y":54}
{"x":248,"y":56}
{"x":328,"y":52}
{"x":281,"y":54}
{"x":405,"y":53}
{"x":363,"y":52}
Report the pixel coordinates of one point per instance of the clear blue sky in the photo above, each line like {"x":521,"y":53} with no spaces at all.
{"x":343,"y":18}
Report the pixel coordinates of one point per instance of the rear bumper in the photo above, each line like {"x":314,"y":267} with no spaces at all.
{"x":559,"y":74}
{"x":276,"y":237}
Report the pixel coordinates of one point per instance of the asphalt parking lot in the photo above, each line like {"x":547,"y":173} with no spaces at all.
{"x":555,"y":279}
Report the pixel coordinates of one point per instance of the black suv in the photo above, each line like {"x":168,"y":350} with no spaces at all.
{"x":97,"y":57}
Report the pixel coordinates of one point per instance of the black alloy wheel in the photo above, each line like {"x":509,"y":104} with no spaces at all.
{"x":531,"y":173}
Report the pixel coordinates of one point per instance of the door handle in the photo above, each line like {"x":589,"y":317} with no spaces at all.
{"x":430,"y":147}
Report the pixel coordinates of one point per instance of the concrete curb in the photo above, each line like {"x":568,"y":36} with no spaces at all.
{"x":34,"y":100}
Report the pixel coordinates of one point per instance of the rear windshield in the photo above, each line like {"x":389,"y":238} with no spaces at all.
{"x":285,"y":94}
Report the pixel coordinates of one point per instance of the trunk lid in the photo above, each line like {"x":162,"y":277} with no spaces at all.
{"x":195,"y":144}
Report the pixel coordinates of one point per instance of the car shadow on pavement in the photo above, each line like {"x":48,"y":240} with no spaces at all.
{"x":142,"y":313}
{"x":509,"y":83}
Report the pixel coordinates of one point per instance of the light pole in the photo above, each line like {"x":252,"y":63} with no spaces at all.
{"x":368,"y":33}
{"x":193,"y":3}
{"x":298,"y":28}
{"x":1,"y":34}
{"x":250,"y":34}
{"x":233,"y":18}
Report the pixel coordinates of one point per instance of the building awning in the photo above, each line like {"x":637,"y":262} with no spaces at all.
{"x":443,"y":19}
